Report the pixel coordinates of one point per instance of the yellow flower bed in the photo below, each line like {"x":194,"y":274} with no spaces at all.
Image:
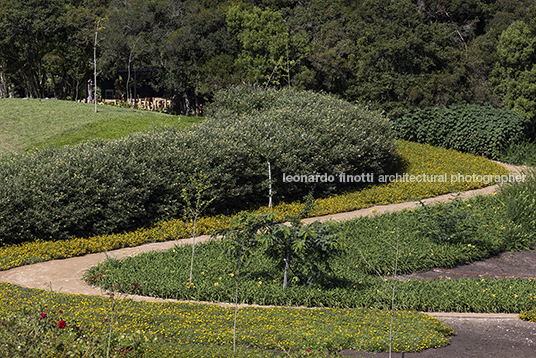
{"x":421,"y":160}
{"x":528,"y":315}
{"x":259,"y":327}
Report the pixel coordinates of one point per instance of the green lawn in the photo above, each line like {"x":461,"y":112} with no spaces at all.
{"x":30,"y":123}
{"x":196,"y":330}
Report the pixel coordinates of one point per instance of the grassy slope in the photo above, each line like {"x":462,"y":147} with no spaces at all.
{"x":29,"y":123}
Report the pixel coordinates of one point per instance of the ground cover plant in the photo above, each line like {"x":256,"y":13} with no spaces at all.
{"x":34,"y":123}
{"x":353,"y":281}
{"x":419,"y":159}
{"x":176,"y":228}
{"x":104,"y":187}
{"x":523,"y":153}
{"x":196,"y":330}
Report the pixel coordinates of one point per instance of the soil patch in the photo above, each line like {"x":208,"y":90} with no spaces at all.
{"x":506,"y":265}
{"x":477,"y":337}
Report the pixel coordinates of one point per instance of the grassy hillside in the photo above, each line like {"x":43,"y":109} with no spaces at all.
{"x":29,"y":123}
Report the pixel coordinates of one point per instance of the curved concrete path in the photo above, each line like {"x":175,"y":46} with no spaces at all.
{"x":65,"y":275}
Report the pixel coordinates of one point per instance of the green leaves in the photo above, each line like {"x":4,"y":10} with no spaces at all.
{"x":474,"y":129}
{"x":264,"y":37}
{"x":520,"y":202}
{"x":304,"y":250}
{"x":515,"y":72}
{"x":447,"y":223}
{"x":517,"y":47}
{"x":241,"y":240}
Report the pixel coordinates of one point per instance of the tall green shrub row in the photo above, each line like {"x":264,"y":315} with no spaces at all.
{"x":474,"y":129}
{"x":109,"y":186}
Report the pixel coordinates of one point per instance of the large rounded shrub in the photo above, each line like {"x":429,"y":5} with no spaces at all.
{"x":469,"y":128}
{"x":109,"y":186}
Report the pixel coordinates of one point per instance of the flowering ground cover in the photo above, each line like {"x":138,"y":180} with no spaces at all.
{"x":200,"y":330}
{"x":419,"y":159}
{"x":359,"y":276}
{"x":189,"y":329}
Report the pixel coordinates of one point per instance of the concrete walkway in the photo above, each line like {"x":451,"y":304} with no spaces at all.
{"x":65,"y":275}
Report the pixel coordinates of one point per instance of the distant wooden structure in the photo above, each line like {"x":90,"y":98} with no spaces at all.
{"x":147,"y":103}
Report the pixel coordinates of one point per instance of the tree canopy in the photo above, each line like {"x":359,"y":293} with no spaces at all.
{"x":390,"y":55}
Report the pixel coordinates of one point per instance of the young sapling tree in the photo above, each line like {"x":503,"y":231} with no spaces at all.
{"x":196,"y":204}
{"x":305,"y":250}
{"x":241,"y":240}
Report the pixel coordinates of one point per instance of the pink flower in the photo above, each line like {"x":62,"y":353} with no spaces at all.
{"x":62,"y":324}
{"x":43,"y":315}
{"x":61,"y":311}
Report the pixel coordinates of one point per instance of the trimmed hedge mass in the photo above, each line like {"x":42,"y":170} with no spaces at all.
{"x":469,"y":128}
{"x":100,"y":187}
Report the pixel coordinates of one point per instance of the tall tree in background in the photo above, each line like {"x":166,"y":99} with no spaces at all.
{"x":76,"y":52}
{"x":29,"y":32}
{"x":325,"y":26}
{"x":126,"y":40}
{"x":46,"y":47}
{"x":194,"y":52}
{"x":515,"y":72}
{"x":269,"y":50}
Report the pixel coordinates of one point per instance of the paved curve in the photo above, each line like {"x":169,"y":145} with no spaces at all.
{"x":65,"y":275}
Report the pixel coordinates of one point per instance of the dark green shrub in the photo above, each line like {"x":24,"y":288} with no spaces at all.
{"x":304,"y":133}
{"x":474,"y":129}
{"x":102,"y":187}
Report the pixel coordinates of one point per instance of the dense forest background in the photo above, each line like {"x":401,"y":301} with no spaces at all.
{"x":388,"y":54}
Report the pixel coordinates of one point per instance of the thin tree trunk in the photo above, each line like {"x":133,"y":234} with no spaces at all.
{"x":287,"y":265}
{"x":3,"y":90}
{"x":393,"y":295}
{"x":128,"y":80}
{"x":95,"y":65}
{"x":236,"y":299}
{"x":196,"y":91}
{"x":270,"y":188}
{"x":193,"y":250}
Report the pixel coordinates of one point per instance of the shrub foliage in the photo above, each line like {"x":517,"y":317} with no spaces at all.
{"x":479,"y":130}
{"x":101,"y":186}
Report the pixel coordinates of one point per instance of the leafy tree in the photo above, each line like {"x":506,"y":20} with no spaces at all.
{"x":75,"y":53}
{"x":515,"y":73}
{"x":196,"y":52}
{"x":304,"y":250}
{"x":29,"y":33}
{"x":241,"y":242}
{"x":269,"y":50}
{"x":195,"y":208}
{"x":127,"y":37}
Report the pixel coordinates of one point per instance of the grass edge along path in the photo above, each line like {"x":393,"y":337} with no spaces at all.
{"x":421,"y":159}
{"x":134,"y":251}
